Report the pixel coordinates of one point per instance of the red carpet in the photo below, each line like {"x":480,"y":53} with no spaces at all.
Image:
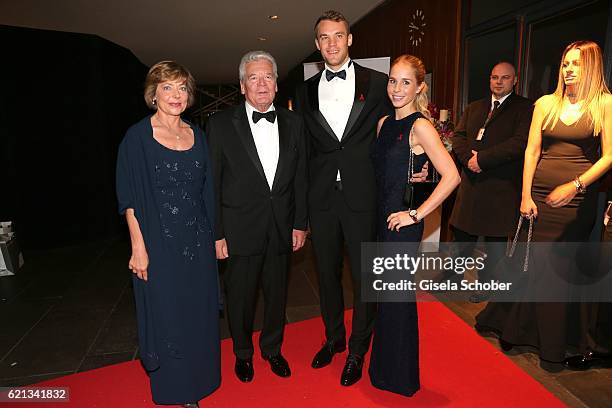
{"x":458,"y":369}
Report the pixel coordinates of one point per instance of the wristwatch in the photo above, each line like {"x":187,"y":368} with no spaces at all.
{"x":413,"y":215}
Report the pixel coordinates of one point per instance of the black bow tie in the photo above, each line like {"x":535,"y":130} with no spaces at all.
{"x":269,"y":116}
{"x":331,"y":75}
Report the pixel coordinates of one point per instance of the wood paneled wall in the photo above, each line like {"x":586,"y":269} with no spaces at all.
{"x":384,"y":32}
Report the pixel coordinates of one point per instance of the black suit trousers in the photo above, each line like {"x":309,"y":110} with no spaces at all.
{"x":242,"y":278}
{"x":493,"y":247}
{"x":330,"y":230}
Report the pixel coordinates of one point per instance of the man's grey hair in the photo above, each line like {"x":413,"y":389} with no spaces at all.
{"x":256,"y":56}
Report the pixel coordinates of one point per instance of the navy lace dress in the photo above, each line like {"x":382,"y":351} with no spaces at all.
{"x":394,"y":364}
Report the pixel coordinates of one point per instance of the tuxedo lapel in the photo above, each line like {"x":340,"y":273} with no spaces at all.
{"x":284,"y":145}
{"x":243,"y":129}
{"x":313,"y":92}
{"x":362,"y":84}
{"x":313,"y":99}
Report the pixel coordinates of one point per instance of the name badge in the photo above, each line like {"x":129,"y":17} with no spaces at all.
{"x":480,"y":134}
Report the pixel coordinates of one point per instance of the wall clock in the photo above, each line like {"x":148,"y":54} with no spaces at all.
{"x":416,"y":27}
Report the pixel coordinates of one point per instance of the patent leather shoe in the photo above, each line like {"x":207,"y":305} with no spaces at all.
{"x":324,"y":356}
{"x":244,"y":369}
{"x":352,"y":370}
{"x":588,"y":360}
{"x":279,"y":365}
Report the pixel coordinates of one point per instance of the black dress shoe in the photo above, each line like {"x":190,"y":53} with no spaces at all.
{"x":244,"y":369}
{"x":352,"y":370}
{"x":551,"y":366}
{"x":191,"y":405}
{"x":279,"y":365}
{"x":505,"y":346}
{"x":324,"y":356}
{"x":588,"y":360}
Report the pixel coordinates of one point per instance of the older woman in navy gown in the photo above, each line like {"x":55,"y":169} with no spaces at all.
{"x":164,"y":189}
{"x":394,"y":365}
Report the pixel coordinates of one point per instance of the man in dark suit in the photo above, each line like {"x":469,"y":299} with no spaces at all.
{"x":258,"y":154}
{"x":341,"y":106}
{"x":490,"y":142}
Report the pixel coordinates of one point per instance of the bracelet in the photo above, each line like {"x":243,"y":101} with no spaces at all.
{"x":580,"y":188}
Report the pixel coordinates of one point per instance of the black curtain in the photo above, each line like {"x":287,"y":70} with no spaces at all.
{"x":65,"y":104}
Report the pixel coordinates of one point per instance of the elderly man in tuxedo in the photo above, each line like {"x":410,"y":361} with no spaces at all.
{"x":490,"y":141}
{"x":341,"y":107}
{"x":259,"y":167}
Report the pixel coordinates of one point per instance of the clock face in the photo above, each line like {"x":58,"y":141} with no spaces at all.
{"x":416,"y":27}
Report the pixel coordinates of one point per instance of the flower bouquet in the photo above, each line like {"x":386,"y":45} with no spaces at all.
{"x":445,"y":127}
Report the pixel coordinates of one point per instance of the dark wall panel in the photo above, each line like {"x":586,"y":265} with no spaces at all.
{"x":385,"y":32}
{"x":482,"y":53}
{"x":549,"y":37}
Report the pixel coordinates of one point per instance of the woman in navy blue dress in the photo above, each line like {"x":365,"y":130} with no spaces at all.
{"x":394,"y":364}
{"x":164,"y":189}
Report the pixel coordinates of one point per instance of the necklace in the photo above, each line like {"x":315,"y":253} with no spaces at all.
{"x":177,"y":135}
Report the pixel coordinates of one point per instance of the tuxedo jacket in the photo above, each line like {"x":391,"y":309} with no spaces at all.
{"x":488,"y":202}
{"x":246,"y":207}
{"x":350,"y":154}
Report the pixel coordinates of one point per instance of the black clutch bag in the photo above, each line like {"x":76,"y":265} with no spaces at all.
{"x":415,"y":194}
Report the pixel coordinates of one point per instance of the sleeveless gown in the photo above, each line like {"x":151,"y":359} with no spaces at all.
{"x":394,"y":363}
{"x":554,"y":328}
{"x":184,"y":290}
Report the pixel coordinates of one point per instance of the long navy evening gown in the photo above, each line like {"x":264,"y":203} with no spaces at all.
{"x":394,"y":364}
{"x":178,"y":307}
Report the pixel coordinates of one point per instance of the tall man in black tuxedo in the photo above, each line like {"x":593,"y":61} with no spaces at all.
{"x":490,"y":142}
{"x":258,"y":153}
{"x":341,"y":106}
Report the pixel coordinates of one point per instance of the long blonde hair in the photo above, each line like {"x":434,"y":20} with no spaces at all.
{"x":592,"y":88}
{"x":421,"y":101}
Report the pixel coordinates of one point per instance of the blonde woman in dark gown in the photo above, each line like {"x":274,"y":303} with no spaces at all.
{"x":394,"y":363}
{"x":568,"y":151}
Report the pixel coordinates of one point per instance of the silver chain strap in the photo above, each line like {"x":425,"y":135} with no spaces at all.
{"x":510,"y":252}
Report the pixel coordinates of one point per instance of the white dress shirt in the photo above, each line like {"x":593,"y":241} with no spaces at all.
{"x":501,"y":100}
{"x":265,"y":135}
{"x":336,"y":99}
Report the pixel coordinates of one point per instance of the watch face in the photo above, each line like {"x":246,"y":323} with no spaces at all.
{"x":412,"y":213}
{"x":416,"y":27}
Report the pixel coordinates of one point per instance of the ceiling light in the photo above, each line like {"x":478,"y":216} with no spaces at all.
{"x":262,"y":38}
{"x":273,"y":17}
